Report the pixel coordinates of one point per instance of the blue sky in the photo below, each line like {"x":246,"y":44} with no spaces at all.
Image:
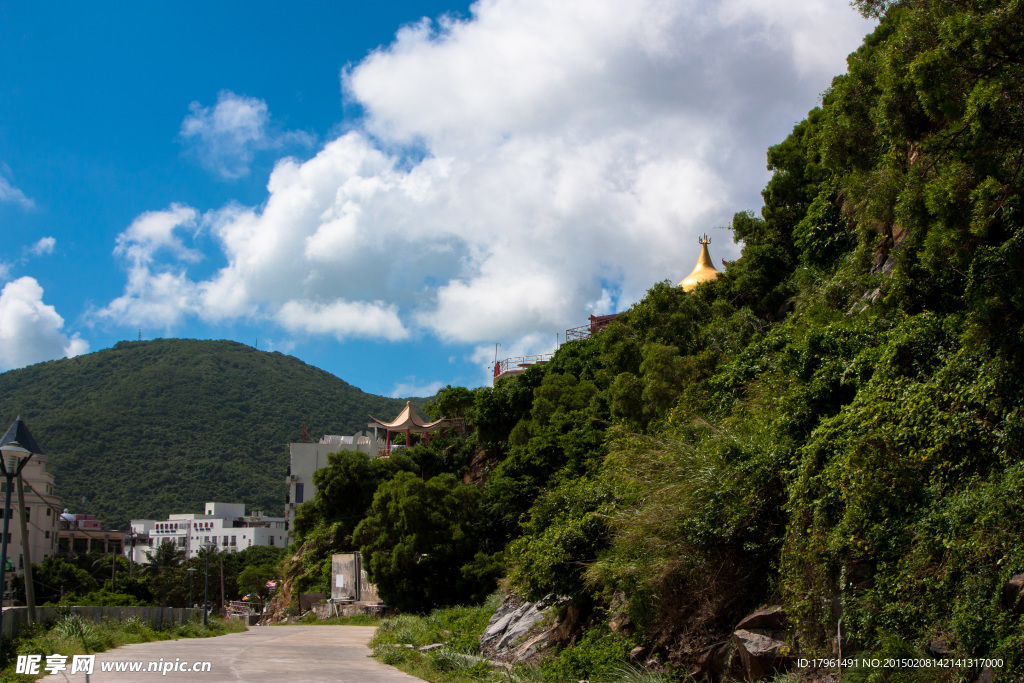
{"x":384,"y":191}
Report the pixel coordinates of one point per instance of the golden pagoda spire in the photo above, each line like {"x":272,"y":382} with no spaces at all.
{"x":704,"y":271}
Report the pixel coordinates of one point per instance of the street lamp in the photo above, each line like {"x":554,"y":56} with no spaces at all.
{"x":191,"y":575}
{"x":16,"y":449}
{"x":206,"y":587}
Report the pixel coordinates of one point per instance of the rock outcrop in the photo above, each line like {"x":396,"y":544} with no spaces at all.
{"x":519,"y":630}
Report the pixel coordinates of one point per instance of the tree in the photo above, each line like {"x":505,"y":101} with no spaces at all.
{"x":417,"y":537}
{"x":56,"y":577}
{"x":166,"y":555}
{"x":254,"y":578}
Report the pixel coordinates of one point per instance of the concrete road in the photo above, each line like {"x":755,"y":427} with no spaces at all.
{"x":264,"y":654}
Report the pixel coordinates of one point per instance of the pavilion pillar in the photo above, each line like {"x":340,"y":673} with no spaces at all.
{"x":387,"y":443}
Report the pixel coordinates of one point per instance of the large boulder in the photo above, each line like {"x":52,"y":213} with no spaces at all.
{"x":762,"y":645}
{"x":767,"y":619}
{"x":762,"y":654}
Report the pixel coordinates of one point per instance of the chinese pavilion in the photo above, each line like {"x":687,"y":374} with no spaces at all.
{"x":408,"y":421}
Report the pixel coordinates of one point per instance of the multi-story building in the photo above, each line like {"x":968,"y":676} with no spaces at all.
{"x":80,"y":534}
{"x":224,"y":524}
{"x":308,"y":457}
{"x":42,"y":507}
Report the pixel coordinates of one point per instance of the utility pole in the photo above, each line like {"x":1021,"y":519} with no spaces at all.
{"x":222,"y":603}
{"x":30,"y":589}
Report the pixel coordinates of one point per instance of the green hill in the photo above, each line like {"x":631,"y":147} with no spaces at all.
{"x":155,"y":427}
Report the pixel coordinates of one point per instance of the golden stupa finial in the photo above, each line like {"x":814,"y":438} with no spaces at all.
{"x":704,"y":271}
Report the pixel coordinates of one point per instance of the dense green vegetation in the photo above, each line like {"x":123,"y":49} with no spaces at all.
{"x":833,"y":425}
{"x":150,"y":428}
{"x":97,"y":579}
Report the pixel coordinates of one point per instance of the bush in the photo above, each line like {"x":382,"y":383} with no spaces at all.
{"x":598,"y":654}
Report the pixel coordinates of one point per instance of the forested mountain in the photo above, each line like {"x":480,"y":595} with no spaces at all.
{"x":834,"y":425}
{"x":155,"y":427}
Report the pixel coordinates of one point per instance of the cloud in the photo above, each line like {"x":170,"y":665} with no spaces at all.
{"x":343,"y":319}
{"x":518,"y":170}
{"x":227,"y":136}
{"x":154,"y":231}
{"x":412,"y":388}
{"x":10,"y":194}
{"x":30,"y":330}
{"x":43,"y":247}
{"x":157,"y":294}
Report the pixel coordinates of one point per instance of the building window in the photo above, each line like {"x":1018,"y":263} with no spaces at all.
{"x":225,"y":542}
{"x":271,"y":540}
{"x":298,"y":494}
{"x":206,"y":539}
{"x":47,"y":512}
{"x":28,"y":514}
{"x":46,"y":534}
{"x":233,"y":541}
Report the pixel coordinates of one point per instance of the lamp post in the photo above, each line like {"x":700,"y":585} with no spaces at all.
{"x":191,"y":575}
{"x":206,"y":584}
{"x":16,"y":448}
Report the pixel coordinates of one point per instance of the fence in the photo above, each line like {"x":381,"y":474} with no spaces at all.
{"x":15,"y":618}
{"x":576,"y":333}
{"x":519,"y":363}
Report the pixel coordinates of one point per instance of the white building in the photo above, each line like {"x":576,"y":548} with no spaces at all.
{"x":307,"y":458}
{"x":224,"y":524}
{"x":42,"y":508}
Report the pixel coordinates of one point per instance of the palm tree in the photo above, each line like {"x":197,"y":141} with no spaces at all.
{"x":163,"y":570}
{"x":166,"y":555}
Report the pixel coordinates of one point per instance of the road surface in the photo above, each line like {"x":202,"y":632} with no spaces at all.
{"x":265,"y":654}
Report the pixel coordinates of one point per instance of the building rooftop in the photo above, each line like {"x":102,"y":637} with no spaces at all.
{"x":19,"y":435}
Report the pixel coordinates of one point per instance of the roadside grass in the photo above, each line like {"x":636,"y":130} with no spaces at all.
{"x":354,"y":620}
{"x":601,"y":657}
{"x":456,"y":629}
{"x":72,"y":635}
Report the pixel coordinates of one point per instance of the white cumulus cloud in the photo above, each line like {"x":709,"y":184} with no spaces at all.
{"x":30,"y":330}
{"x":227,"y":136}
{"x":514,"y":171}
{"x":157,"y":294}
{"x":343,"y":319}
